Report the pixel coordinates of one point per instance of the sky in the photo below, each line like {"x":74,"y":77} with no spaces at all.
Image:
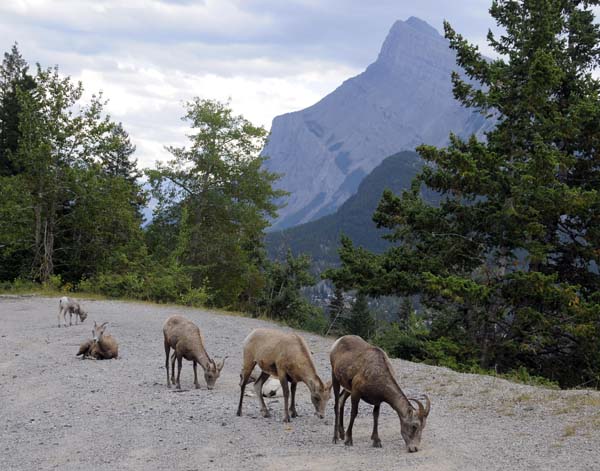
{"x":268,"y":57}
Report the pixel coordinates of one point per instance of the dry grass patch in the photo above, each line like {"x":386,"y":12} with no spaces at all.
{"x":569,"y":431}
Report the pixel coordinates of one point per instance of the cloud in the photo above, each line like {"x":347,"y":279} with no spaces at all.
{"x":268,"y":56}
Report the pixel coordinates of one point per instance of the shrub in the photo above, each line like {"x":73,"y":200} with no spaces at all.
{"x":195,"y":297}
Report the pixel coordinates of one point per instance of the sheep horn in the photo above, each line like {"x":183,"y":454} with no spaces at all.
{"x":421,"y":408}
{"x":428,"y":404}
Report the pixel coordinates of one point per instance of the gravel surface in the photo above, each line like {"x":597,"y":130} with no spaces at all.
{"x":60,"y":412}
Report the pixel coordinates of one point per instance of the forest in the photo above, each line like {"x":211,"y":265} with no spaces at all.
{"x":500,"y":275}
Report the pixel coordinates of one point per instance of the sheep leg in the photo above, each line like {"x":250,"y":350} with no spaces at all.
{"x":167,"y":351}
{"x":59,"y":314}
{"x":293,"y":404}
{"x":196,"y":383}
{"x":336,"y":397}
{"x":344,"y":398}
{"x":258,"y":385}
{"x":70,"y":318}
{"x":375,"y":434}
{"x":355,"y":398}
{"x":286,"y":396}
{"x":246,"y":372}
{"x":173,"y":358}
{"x":179,"y":363}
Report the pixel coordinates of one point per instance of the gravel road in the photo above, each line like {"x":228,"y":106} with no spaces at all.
{"x":60,"y":412}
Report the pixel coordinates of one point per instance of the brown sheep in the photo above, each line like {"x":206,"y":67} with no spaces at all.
{"x":101,"y":346}
{"x":365,"y":372}
{"x":185,"y":338}
{"x":285,"y":356}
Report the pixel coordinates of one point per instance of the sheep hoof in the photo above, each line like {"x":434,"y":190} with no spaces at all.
{"x":294,"y":414}
{"x":348,"y":442}
{"x":266,"y":414}
{"x":377,"y":443}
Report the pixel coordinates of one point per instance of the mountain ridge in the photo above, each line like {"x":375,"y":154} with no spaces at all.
{"x":320,"y":238}
{"x":400,"y":101}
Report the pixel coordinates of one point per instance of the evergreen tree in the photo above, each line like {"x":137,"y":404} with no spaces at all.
{"x":281,"y":298}
{"x":14,"y":78}
{"x":336,"y":309}
{"x":116,"y":154}
{"x":509,"y":258}
{"x":361,"y":321}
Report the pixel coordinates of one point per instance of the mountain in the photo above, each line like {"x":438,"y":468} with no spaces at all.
{"x":402,"y":100}
{"x":320,"y":238}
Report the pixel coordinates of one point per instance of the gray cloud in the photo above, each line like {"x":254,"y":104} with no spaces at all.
{"x":268,"y":56}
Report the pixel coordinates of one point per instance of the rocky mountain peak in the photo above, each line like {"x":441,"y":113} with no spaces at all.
{"x":402,"y":100}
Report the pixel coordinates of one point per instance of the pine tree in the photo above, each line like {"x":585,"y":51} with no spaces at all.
{"x":360,"y":322}
{"x":508,"y":259}
{"x":116,"y":154}
{"x":336,"y":309}
{"x":14,"y":79}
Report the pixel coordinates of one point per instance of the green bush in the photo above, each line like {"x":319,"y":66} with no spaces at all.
{"x":316,"y":323}
{"x":195,"y":297}
{"x":129,"y":285}
{"x":54,"y":283}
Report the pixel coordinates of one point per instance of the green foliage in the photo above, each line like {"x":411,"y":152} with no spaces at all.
{"x":281,"y":298}
{"x":360,"y":321}
{"x":214,"y":200}
{"x":507,"y":263}
{"x":69,"y":203}
{"x":314,"y":322}
{"x":14,"y":79}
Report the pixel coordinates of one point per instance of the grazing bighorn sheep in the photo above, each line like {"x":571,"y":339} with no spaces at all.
{"x":101,"y":346}
{"x":185,"y":338}
{"x":285,"y":356}
{"x":70,"y":306}
{"x":365,"y":372}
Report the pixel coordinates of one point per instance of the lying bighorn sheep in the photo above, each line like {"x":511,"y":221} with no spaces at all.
{"x":271,"y":387}
{"x":365,"y":372}
{"x":285,"y":356}
{"x":70,"y":306}
{"x":100,"y":347}
{"x":185,"y":338}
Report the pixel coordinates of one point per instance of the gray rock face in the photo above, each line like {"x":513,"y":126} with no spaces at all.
{"x":402,"y":100}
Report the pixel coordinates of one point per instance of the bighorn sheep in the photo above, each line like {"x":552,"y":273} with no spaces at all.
{"x":365,"y":372}
{"x":285,"y":356}
{"x":185,"y":338}
{"x":69,"y":305}
{"x":101,"y":346}
{"x":271,"y":387}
